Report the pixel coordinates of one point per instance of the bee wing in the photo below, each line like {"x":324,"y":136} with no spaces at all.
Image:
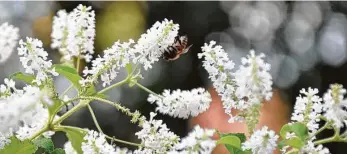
{"x":187,"y":49}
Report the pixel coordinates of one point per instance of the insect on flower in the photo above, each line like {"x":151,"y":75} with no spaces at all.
{"x":178,"y":48}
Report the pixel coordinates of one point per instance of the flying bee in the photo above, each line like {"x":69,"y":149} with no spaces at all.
{"x":178,"y":48}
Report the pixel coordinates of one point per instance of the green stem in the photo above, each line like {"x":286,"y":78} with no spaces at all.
{"x":116,"y":105}
{"x":66,"y":90}
{"x":122,"y":141}
{"x":114,"y":85}
{"x":147,"y":90}
{"x":62,"y":128}
{"x":44,"y":129}
{"x":65,"y":103}
{"x":94,"y":119}
{"x":78,"y":64}
{"x":326,"y":125}
{"x":136,"y":66}
{"x":70,"y":112}
{"x":335,"y":138}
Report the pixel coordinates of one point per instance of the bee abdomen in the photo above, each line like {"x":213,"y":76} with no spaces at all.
{"x":170,"y":53}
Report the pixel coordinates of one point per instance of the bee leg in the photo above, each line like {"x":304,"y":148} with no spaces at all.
{"x":66,"y":107}
{"x":177,"y":40}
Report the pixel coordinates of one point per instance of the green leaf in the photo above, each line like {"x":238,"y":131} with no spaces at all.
{"x":44,"y":143}
{"x":281,"y":144}
{"x":69,"y":73}
{"x":234,"y":150}
{"x":75,"y":136}
{"x":58,"y":151}
{"x":231,"y":140}
{"x":72,"y":75}
{"x":24,"y":77}
{"x":295,"y":142}
{"x":300,"y":130}
{"x":19,"y":147}
{"x":232,"y":143}
{"x":241,"y":136}
{"x":283,"y":132}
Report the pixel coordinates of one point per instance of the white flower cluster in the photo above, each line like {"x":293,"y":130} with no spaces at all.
{"x":334,"y":105}
{"x":248,"y":85}
{"x":262,"y":141}
{"x":311,"y":148}
{"x":219,"y":68}
{"x":22,"y":112}
{"x":96,"y":143}
{"x":34,"y":59}
{"x":39,"y":120}
{"x":308,"y":148}
{"x":197,"y":142}
{"x":183,"y":103}
{"x":8,"y":40}
{"x":308,"y":108}
{"x":155,"y":137}
{"x":151,"y":45}
{"x":73,"y":33}
{"x":253,"y":81}
{"x":60,"y":33}
{"x":147,"y":50}
{"x":118,"y":56}
{"x":19,"y":107}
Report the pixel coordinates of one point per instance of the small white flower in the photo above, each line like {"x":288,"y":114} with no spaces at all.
{"x":4,"y":139}
{"x":95,"y":143}
{"x":334,"y":105}
{"x":308,"y":108}
{"x":122,"y":151}
{"x":155,"y":136}
{"x":7,"y":88}
{"x":34,"y":59}
{"x":198,"y":141}
{"x":118,"y":56}
{"x":8,"y":40}
{"x":69,"y":149}
{"x":66,"y":98}
{"x":183,"y":103}
{"x":290,"y":135}
{"x":261,"y":142}
{"x":151,"y":45}
{"x":81,"y":32}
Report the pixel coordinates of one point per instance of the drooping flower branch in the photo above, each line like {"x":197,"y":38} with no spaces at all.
{"x":182,"y":104}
